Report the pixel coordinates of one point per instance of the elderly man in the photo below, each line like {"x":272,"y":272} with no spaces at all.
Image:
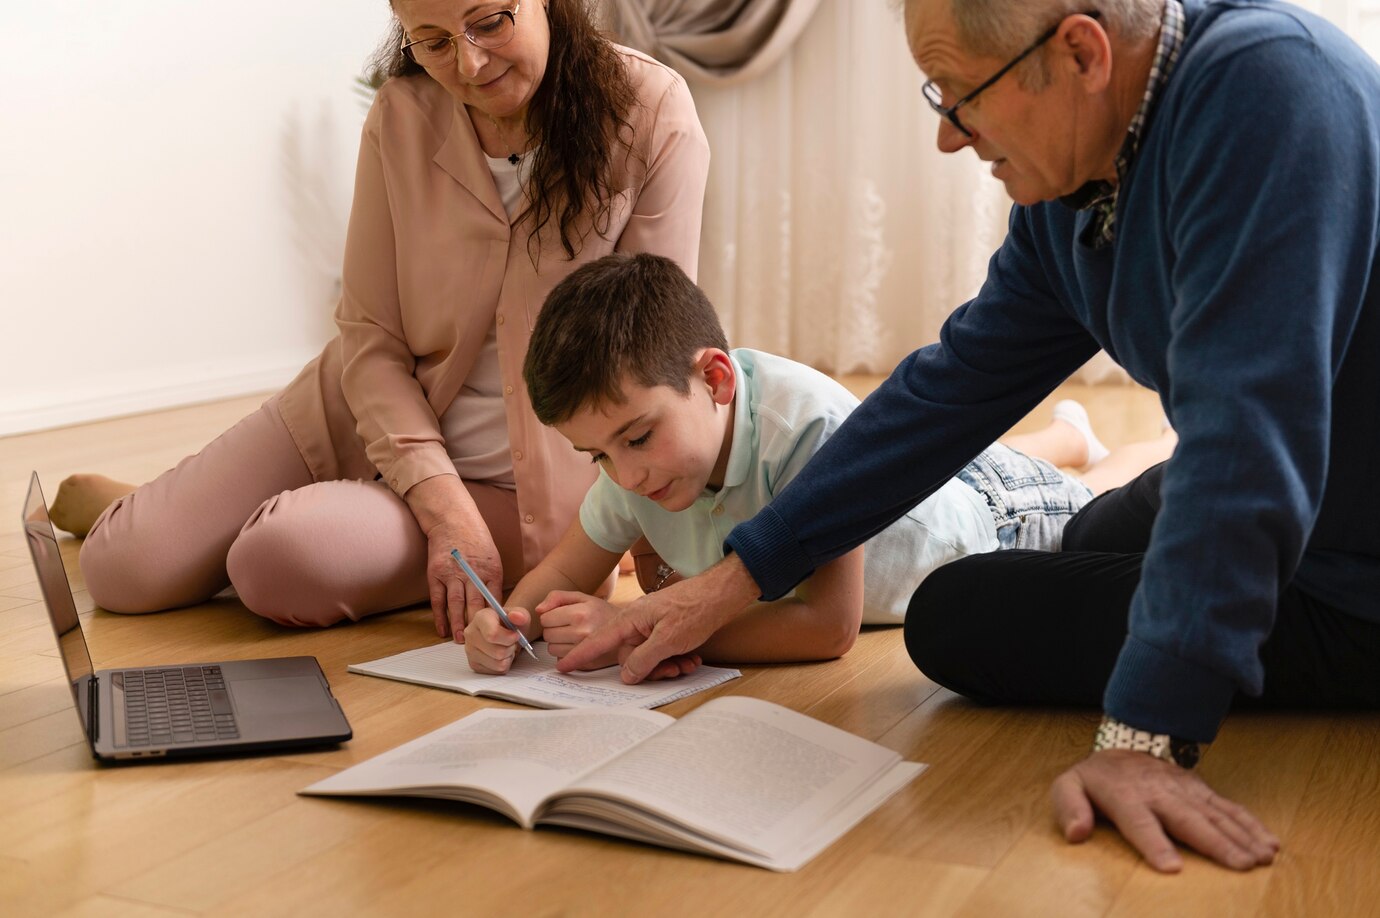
{"x":1197,"y":191}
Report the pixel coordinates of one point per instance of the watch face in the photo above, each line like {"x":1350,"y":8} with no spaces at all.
{"x":1184,"y":753}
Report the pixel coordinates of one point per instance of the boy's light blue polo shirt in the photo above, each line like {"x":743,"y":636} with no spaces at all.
{"x":783,"y":412}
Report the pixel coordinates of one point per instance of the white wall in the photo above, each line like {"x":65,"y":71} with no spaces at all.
{"x":175,"y":179}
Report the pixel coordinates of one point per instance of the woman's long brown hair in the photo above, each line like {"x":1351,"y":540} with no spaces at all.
{"x":579,"y":116}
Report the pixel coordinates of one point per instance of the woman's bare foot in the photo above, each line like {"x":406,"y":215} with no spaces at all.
{"x":81,"y":499}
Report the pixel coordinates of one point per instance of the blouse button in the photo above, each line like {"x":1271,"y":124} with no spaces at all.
{"x":499,"y":320}
{"x":517,"y":454}
{"x":507,"y":390}
{"x":530,"y":518}
{"x":718,"y":510}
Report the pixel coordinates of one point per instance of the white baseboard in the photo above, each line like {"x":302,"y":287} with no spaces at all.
{"x":75,"y":409}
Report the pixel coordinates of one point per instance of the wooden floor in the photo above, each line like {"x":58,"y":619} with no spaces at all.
{"x":972,"y":836}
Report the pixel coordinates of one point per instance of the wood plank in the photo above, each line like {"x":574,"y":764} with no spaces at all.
{"x":105,"y":906}
{"x":25,"y":613}
{"x":1329,"y":858}
{"x":39,"y":737}
{"x":33,"y":702}
{"x":17,"y":577}
{"x":24,"y":592}
{"x":887,"y":690}
{"x":884,"y":884}
{"x":69,"y":839}
{"x":1340,"y":811}
{"x":274,"y":846}
{"x":11,"y":562}
{"x":14,"y":602}
{"x":988,"y":780}
{"x":15,"y":882}
{"x":1042,"y":874}
{"x":1302,"y":883}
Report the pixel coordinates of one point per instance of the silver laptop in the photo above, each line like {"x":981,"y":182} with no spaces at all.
{"x":190,"y":709}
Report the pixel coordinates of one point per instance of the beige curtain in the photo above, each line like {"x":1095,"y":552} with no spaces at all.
{"x":719,"y":42}
{"x":834,"y":232}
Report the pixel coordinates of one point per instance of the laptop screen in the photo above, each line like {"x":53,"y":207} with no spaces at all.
{"x":57,"y":595}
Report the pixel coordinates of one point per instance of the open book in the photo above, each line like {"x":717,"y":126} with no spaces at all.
{"x":737,"y":778}
{"x":538,"y":682}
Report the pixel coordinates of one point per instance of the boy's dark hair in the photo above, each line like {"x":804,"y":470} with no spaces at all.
{"x":623,"y":315}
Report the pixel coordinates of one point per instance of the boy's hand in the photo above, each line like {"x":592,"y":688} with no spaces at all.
{"x":568,"y":617}
{"x":489,"y":646}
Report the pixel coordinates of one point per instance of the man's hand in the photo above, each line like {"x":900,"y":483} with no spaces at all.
{"x":1150,"y":800}
{"x":670,"y":623}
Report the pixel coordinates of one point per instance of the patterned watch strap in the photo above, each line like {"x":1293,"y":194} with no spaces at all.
{"x":1113,"y":734}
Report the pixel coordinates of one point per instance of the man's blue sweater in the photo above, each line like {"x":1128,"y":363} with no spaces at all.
{"x":1239,"y":287}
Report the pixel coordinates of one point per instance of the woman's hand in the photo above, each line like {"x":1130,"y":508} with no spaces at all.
{"x":448,"y":516}
{"x":568,"y":617}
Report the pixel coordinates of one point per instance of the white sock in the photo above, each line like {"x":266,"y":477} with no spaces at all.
{"x":1074,"y":413}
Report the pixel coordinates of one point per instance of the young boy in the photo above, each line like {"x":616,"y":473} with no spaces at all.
{"x":628,"y":362}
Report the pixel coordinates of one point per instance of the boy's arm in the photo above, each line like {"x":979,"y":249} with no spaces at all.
{"x":820,"y":622}
{"x":576,"y":563}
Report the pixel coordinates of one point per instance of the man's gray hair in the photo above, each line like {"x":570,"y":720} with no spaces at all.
{"x":1003,"y":28}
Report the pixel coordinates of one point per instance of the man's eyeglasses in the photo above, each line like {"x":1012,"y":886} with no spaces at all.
{"x":490,"y":32}
{"x":935,"y":97}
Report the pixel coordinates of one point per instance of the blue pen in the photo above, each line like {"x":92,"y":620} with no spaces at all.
{"x":489,"y":598}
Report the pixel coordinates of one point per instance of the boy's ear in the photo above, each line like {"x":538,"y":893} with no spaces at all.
{"x":715,"y":368}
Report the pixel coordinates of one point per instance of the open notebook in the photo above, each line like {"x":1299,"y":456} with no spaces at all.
{"x":538,"y":682}
{"x":736,"y":778}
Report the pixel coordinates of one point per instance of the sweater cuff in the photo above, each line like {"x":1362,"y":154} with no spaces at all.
{"x":417,"y":465}
{"x":1155,"y":691}
{"x":770,"y":552}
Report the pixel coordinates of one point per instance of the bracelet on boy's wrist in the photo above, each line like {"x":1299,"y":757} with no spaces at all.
{"x":1113,"y":734}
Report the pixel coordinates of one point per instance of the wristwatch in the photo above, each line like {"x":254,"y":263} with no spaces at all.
{"x":1113,"y":734}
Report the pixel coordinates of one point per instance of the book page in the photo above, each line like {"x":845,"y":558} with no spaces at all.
{"x":516,"y":757}
{"x":750,"y":774}
{"x":538,"y":682}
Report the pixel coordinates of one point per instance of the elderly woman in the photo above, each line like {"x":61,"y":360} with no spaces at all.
{"x":510,"y":145}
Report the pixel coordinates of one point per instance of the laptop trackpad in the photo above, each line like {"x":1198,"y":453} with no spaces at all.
{"x":283,"y":696}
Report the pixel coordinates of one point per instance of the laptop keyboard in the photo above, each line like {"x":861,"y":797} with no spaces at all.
{"x":183,"y":705}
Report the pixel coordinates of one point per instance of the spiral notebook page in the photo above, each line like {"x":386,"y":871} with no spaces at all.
{"x":537,"y":682}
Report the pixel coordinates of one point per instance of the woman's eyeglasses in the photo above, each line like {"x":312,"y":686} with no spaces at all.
{"x":489,"y":32}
